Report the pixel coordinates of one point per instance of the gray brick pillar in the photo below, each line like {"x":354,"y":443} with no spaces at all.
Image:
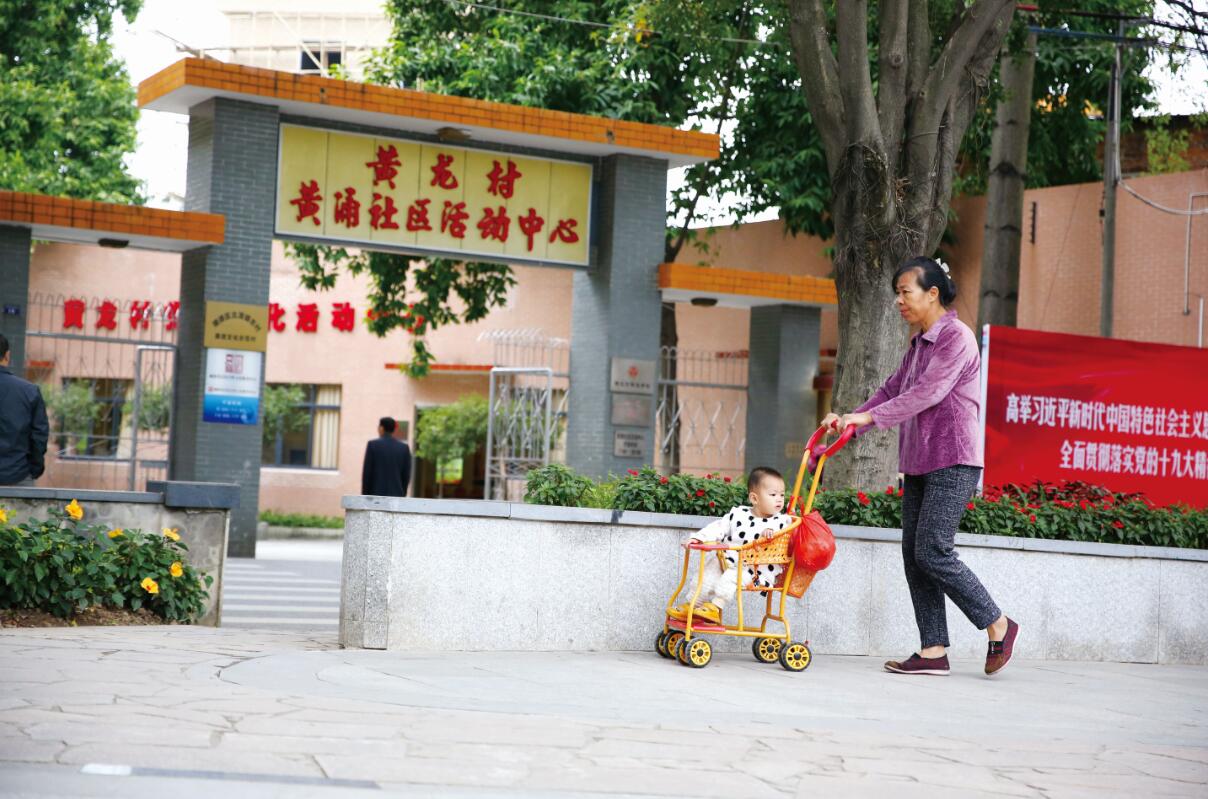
{"x":233,"y":172}
{"x":616,"y":307}
{"x":781,"y":403}
{"x":14,"y":291}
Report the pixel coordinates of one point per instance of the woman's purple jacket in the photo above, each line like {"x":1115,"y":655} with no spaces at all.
{"x":935,"y":396}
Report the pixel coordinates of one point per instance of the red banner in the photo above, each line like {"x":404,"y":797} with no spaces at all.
{"x":1128,"y":415}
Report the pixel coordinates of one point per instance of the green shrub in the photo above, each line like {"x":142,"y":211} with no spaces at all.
{"x":1069,"y":511}
{"x":281,"y":519}
{"x":62,"y":565}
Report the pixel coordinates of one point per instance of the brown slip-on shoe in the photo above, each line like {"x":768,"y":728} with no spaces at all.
{"x":916,"y":664}
{"x":998,"y":654}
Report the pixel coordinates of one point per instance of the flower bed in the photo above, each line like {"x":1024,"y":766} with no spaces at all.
{"x":1070,"y":511}
{"x":63,"y":566}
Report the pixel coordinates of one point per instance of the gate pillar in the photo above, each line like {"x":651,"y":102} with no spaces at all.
{"x":232,"y":171}
{"x":14,"y":291}
{"x":782,"y":405}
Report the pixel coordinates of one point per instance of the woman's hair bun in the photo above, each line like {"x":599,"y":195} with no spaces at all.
{"x":931,"y":274}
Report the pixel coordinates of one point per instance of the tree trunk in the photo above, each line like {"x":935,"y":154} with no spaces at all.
{"x":1004,"y":204}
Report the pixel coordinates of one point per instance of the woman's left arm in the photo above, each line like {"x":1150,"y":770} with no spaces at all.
{"x":944,"y":368}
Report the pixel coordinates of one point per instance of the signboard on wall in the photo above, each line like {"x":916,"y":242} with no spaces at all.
{"x":1127,"y":415}
{"x":432,"y":197}
{"x":232,"y":386}
{"x":236,"y":326}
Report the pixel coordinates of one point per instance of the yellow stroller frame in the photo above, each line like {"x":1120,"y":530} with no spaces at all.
{"x":681,"y":639}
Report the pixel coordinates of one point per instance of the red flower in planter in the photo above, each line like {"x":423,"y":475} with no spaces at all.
{"x":709,"y":476}
{"x":633,"y":472}
{"x":1032,"y":518}
{"x":727,"y":479}
{"x":1083,"y":504}
{"x":969,"y":506}
{"x":700,"y":492}
{"x":712,"y":504}
{"x":864,"y":500}
{"x":663,"y":480}
{"x":1119,"y":525}
{"x":889,"y":491}
{"x":900,"y":492}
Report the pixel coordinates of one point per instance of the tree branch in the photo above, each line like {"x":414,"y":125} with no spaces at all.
{"x":919,"y":38}
{"x":819,"y":74}
{"x":860,"y":112}
{"x":891,"y":88}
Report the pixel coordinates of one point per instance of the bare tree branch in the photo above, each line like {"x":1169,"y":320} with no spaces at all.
{"x":819,"y":74}
{"x":891,"y":87}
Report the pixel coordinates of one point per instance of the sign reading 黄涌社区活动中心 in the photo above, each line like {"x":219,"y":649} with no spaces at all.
{"x":232,"y":386}
{"x":432,"y":197}
{"x":1128,"y":415}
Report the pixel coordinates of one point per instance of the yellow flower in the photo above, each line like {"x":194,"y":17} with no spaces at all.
{"x":150,"y":586}
{"x":170,"y":532}
{"x":115,"y":533}
{"x":3,"y":515}
{"x":75,"y":511}
{"x":176,"y":569}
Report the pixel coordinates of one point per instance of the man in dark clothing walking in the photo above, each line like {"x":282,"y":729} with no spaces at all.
{"x":23,"y":427}
{"x":387,"y":469}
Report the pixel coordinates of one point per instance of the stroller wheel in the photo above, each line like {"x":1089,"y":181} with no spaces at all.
{"x":796,"y":656}
{"x":660,"y":644}
{"x":767,"y":650}
{"x":671,"y":643}
{"x":697,"y":653}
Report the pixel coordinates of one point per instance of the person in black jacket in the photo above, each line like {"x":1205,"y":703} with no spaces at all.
{"x":23,"y":426}
{"x":387,"y":469}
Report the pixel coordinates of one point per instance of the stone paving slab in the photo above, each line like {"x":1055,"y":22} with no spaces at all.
{"x":199,"y":711}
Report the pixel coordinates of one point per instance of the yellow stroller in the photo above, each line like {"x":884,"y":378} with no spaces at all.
{"x":681,"y":639}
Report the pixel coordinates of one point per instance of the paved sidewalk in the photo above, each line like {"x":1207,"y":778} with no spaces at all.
{"x":199,"y":712}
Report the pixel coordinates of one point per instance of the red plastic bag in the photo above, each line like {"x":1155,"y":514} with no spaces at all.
{"x":813,"y":543}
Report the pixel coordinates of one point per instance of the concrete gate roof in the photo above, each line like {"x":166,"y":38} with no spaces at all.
{"x":194,"y":80}
{"x":109,"y":224}
{"x":741,"y":288}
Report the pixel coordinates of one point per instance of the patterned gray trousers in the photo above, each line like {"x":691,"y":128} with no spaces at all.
{"x":932,"y":507}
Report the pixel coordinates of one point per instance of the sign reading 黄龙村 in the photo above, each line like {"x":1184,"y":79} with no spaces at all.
{"x":432,"y":197}
{"x":1128,"y":415}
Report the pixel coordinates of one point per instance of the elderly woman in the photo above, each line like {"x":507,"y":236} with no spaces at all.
{"x":933,"y":397}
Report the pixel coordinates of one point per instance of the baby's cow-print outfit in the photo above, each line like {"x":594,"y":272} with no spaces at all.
{"x":737,"y":528}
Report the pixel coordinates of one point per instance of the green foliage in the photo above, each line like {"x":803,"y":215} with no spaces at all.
{"x":453,"y":431}
{"x":1166,"y":149}
{"x":280,"y":412}
{"x":1070,"y":511}
{"x":154,"y":410}
{"x":416,"y":296}
{"x":283,"y":519}
{"x":63,"y":566}
{"x":73,"y":409}
{"x":69,"y":108}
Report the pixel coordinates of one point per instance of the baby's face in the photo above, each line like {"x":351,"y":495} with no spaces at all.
{"x":767,"y":499}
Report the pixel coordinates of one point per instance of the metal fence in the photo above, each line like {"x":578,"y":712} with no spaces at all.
{"x":106,"y":370}
{"x":701,"y":414}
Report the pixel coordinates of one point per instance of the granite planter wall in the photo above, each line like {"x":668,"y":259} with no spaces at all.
{"x":199,"y":511}
{"x":471,"y":575}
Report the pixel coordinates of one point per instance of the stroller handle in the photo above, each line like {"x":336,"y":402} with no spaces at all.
{"x":840,"y":442}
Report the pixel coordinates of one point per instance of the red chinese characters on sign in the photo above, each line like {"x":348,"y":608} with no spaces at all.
{"x":275,"y":314}
{"x":308,"y":318}
{"x":140,"y":315}
{"x":494,"y":224}
{"x":565,"y":231}
{"x":172,"y":315}
{"x":453,"y":220}
{"x":348,"y":208}
{"x":343,"y":316}
{"x":442,"y":176}
{"x":106,"y":316}
{"x":73,"y":314}
{"x":417,"y":216}
{"x":308,"y":201}
{"x":381,"y":217}
{"x":385,"y":168}
{"x":503,"y":182}
{"x":530,"y":225}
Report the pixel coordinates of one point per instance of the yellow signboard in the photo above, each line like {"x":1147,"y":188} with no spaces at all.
{"x":235,"y":326}
{"x":421,"y":196}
